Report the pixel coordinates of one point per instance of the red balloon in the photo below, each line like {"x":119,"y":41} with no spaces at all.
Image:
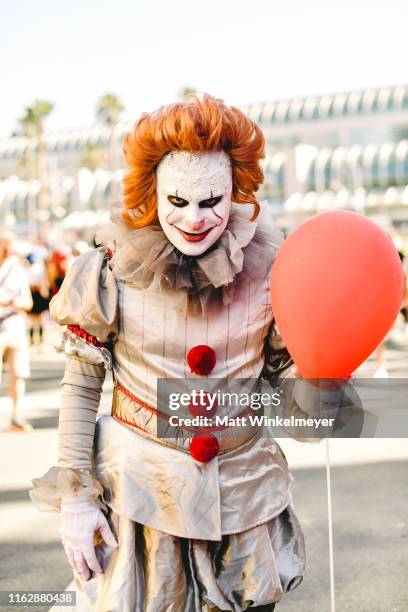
{"x":337,"y":287}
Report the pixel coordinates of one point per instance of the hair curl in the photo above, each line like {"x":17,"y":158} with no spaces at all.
{"x":193,"y":125}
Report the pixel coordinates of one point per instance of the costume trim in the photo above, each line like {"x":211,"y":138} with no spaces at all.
{"x":73,"y":342}
{"x":133,"y":416}
{"x":82,"y":333}
{"x":136,"y":400}
{"x":59,"y":482}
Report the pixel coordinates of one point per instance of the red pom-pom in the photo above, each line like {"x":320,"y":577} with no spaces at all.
{"x":204,"y":449}
{"x":201,"y":359}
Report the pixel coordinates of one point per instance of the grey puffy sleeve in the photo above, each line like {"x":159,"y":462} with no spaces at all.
{"x":87,"y":303}
{"x":88,"y":296}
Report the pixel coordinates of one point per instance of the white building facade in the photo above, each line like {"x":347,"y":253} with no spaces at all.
{"x":346,"y":150}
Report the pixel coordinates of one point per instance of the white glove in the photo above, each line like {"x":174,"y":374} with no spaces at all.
{"x":79,"y":521}
{"x":316,"y":401}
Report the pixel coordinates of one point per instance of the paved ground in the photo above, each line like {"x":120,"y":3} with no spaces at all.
{"x":369,"y":479}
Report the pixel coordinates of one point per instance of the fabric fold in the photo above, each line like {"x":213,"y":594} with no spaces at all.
{"x":152,"y":570}
{"x":59,"y":482}
{"x":234,"y":492}
{"x":88,"y":296}
{"x":71,"y":344}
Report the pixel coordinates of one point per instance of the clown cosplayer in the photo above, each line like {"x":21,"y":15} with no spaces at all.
{"x":179,"y":288}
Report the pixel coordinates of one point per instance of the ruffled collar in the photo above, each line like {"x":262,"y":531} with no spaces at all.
{"x":146,"y":258}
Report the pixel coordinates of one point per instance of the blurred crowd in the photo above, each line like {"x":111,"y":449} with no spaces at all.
{"x":30,"y":275}
{"x":46,"y":269}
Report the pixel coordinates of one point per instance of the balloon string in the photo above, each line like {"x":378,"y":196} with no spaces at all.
{"x":329,"y":514}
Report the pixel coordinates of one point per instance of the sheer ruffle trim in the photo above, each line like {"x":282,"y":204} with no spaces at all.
{"x":146,"y":258}
{"x":71,"y":344}
{"x":61,"y":482}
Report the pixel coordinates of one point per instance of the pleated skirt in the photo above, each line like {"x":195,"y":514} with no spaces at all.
{"x":153,"y":571}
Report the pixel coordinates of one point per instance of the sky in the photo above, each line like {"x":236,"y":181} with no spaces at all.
{"x":73,"y":51}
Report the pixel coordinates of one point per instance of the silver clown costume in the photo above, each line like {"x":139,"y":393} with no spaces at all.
{"x":192,"y":535}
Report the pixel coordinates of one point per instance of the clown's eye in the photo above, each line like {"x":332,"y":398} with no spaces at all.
{"x":176,"y":201}
{"x":210,"y":202}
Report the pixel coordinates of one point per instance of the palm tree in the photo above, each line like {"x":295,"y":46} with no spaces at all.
{"x":32,"y":121}
{"x":186,"y":91}
{"x":108,"y":109}
{"x":32,"y":124}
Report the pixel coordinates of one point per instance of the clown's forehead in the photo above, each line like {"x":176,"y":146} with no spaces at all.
{"x":183,"y":169}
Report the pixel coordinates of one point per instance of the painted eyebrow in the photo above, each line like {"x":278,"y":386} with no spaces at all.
{"x":176,"y":195}
{"x":212,"y":196}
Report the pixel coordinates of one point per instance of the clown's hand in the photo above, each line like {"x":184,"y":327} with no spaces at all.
{"x":318,"y":397}
{"x":79,"y":521}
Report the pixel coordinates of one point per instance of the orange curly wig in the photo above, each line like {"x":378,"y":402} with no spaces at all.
{"x":193,"y":125}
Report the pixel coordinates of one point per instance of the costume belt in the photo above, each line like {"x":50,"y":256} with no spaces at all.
{"x":203,"y":444}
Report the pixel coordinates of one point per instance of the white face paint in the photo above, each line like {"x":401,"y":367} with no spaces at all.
{"x":194,"y":198}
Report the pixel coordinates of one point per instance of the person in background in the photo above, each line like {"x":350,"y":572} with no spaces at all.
{"x":15,"y":301}
{"x":404,"y":309}
{"x":57,"y":266}
{"x":381,"y":370}
{"x":40,"y":293}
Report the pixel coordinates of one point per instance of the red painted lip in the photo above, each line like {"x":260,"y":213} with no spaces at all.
{"x":193,"y":237}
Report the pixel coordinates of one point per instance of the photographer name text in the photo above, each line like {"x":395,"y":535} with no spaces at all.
{"x":250,"y":420}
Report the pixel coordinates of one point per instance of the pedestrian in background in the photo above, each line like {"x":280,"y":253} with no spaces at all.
{"x":15,"y":301}
{"x":381,"y":370}
{"x":40,"y":293}
{"x":57,"y":265}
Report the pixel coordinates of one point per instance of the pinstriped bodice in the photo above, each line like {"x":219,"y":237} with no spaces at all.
{"x":156,"y":334}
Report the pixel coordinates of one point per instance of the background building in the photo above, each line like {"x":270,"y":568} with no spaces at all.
{"x":346,"y":150}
